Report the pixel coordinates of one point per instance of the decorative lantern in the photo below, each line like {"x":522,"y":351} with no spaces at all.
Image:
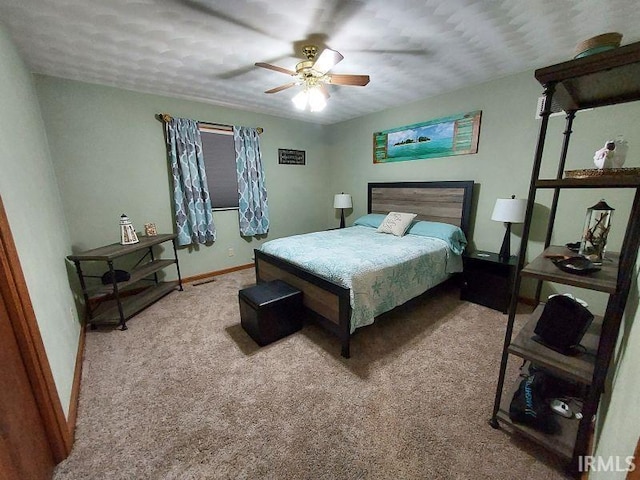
{"x":127,"y":232}
{"x":596,"y":229}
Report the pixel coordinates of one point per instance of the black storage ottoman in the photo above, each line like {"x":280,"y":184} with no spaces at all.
{"x":270,"y":311}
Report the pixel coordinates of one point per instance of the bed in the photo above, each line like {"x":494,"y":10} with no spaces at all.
{"x":342,"y":295}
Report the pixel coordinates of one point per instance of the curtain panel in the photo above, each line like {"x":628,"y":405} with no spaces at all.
{"x":192,"y":203}
{"x":253,"y":211}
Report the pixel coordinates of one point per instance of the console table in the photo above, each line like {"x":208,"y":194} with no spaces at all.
{"x":125,"y":306}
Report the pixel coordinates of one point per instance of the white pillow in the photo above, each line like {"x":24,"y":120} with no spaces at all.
{"x":396,"y":223}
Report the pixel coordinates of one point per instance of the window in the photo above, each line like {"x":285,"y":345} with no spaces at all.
{"x":220,"y":163}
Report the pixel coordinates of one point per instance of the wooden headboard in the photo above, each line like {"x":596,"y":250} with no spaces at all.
{"x":447,"y":202}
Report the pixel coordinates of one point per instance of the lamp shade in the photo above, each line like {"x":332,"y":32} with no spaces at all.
{"x":510,"y":210}
{"x":342,"y":200}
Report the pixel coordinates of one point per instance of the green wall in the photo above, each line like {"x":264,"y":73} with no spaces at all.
{"x":110,"y":157}
{"x":619,"y":413}
{"x":502,"y":167}
{"x":108,"y":154}
{"x":32,"y":202}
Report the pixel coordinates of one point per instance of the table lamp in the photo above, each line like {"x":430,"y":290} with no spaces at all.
{"x":342,"y":201}
{"x":508,"y":210}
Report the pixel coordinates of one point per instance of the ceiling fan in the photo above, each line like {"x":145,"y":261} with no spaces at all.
{"x":313,"y":74}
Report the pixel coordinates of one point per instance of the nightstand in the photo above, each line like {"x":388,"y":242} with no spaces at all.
{"x":488,"y":281}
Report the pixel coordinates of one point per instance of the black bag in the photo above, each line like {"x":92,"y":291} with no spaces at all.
{"x":529,"y":407}
{"x":121,"y":276}
{"x":562,"y":324}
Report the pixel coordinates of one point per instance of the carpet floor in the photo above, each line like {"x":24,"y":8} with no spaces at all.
{"x":185,"y":393}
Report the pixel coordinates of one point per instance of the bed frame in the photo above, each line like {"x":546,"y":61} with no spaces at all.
{"x":327,"y":302}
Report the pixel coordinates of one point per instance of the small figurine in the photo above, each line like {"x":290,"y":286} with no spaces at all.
{"x":128,"y":234}
{"x":612,"y":155}
{"x":604,"y":156}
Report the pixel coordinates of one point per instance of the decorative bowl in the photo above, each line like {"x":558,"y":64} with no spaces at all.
{"x":577,"y":265}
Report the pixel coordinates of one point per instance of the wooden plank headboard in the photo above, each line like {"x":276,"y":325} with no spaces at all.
{"x":447,"y":202}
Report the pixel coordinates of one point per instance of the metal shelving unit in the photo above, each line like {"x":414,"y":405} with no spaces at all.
{"x":606,"y":78}
{"x":124,"y":307}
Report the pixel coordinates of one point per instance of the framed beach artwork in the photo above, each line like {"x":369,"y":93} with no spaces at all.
{"x":441,"y":137}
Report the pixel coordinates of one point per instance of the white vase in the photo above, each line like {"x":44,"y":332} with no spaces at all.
{"x":620,"y":153}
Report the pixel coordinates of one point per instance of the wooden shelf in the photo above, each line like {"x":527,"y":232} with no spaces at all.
{"x":620,"y":181}
{"x":604,"y":280}
{"x":605,"y":78}
{"x":136,"y":275}
{"x":132,"y":304}
{"x":115,"y":250}
{"x":578,"y":368}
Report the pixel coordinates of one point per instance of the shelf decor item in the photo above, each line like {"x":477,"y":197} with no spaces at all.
{"x":622,"y":147}
{"x":597,"y":224}
{"x":597,"y":44}
{"x":127,"y":232}
{"x":577,"y":265}
{"x":150,"y":229}
{"x":612,"y":155}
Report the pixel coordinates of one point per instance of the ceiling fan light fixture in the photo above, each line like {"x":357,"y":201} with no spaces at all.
{"x":311,"y":97}
{"x":317,"y":102}
{"x":300,"y":100}
{"x":314,"y":75}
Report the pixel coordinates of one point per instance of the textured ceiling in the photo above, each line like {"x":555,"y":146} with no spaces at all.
{"x":206,"y":50}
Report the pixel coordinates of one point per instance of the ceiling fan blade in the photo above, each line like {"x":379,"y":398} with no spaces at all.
{"x":353,"y":80}
{"x":327,"y":60}
{"x":268,"y":66}
{"x":281,"y":87}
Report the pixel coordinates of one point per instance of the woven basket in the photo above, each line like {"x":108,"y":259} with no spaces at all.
{"x":605,"y":172}
{"x":597,"y":44}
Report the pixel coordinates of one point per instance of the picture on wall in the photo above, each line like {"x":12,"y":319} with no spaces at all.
{"x":441,"y":137}
{"x":291,"y":157}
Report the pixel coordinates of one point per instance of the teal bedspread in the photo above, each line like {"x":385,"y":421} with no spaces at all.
{"x":382,"y":271}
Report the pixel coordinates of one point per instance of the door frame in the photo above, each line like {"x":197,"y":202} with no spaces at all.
{"x":15,"y":295}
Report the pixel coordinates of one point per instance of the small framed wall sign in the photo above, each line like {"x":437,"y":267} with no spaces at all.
{"x":291,"y":157}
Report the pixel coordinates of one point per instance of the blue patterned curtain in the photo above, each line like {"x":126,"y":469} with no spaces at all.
{"x":194,"y":219}
{"x":253,"y":211}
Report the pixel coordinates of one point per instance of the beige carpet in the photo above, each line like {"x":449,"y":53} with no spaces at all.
{"x":186,"y":394}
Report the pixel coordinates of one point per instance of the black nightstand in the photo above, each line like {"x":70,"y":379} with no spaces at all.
{"x":488,"y":281}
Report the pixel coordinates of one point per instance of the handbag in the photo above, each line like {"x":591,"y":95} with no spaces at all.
{"x":562,"y":324}
{"x":121,"y":276}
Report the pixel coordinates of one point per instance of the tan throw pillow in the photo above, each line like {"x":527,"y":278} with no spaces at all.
{"x":396,"y":223}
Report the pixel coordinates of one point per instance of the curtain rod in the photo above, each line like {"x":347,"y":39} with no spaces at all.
{"x":165,"y":117}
